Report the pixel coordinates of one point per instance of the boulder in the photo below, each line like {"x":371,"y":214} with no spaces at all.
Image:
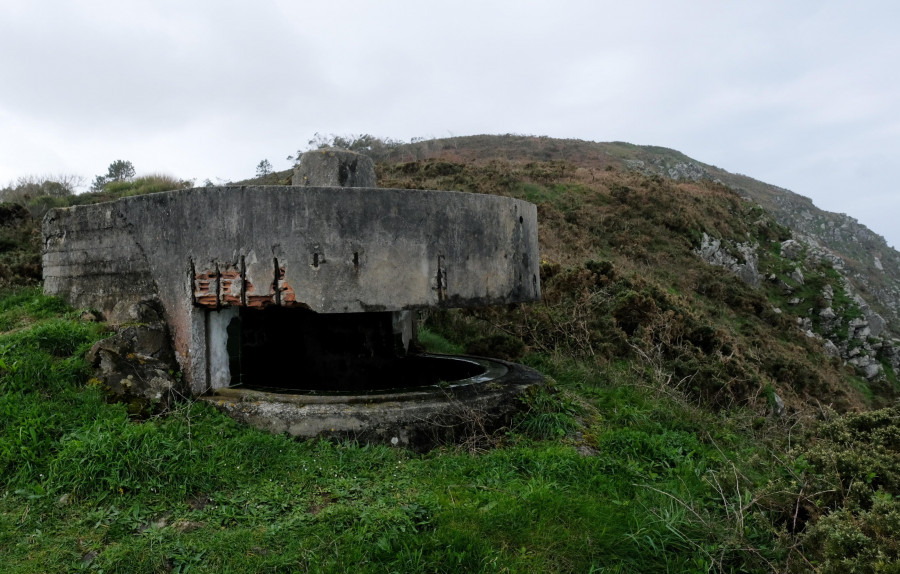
{"x":791,"y":249}
{"x":713,"y":252}
{"x":827,"y":313}
{"x":138,"y":362}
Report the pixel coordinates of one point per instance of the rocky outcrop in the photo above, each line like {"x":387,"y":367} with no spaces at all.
{"x":872,"y":267}
{"x":673,"y":169}
{"x":860,"y":331}
{"x":137,"y":362}
{"x":744,"y":265}
{"x":849,"y":328}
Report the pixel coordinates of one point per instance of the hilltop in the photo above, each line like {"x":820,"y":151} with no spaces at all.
{"x":871,"y":266}
{"x":721,"y":397}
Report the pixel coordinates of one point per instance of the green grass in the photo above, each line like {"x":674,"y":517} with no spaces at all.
{"x":436,"y":343}
{"x":603,"y":471}
{"x":271,"y":502}
{"x":143,"y":185}
{"x":863,"y":387}
{"x":593,"y":476}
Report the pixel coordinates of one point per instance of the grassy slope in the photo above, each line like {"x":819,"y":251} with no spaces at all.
{"x":620,"y":466}
{"x":84,"y":487}
{"x":606,"y":471}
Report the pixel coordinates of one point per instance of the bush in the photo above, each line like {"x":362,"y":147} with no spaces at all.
{"x":500,"y":346}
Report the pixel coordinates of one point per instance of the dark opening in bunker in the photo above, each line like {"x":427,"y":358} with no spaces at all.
{"x":296,"y":350}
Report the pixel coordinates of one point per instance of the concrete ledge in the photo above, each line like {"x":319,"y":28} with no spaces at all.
{"x":418,"y":418}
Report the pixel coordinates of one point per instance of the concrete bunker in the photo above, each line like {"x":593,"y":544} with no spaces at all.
{"x":293,"y":308}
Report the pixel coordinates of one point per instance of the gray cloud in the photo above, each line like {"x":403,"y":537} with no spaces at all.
{"x":799,"y":94}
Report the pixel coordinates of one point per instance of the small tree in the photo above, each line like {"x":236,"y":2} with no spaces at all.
{"x":263,"y":169}
{"x":98,"y":183}
{"x":26,"y":188}
{"x":120,"y":170}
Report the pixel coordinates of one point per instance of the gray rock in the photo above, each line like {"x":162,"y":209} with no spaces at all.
{"x":791,"y":249}
{"x":831,"y":349}
{"x":137,"y":362}
{"x":858,"y":329}
{"x":714,"y":253}
{"x":145,"y":311}
{"x":749,"y":272}
{"x":872,"y":370}
{"x":778,"y":409}
{"x":827,"y":313}
{"x":866,"y":366}
{"x":876,"y":324}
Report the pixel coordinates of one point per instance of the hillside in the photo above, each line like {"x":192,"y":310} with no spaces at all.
{"x":872,"y":267}
{"x":718,"y":400}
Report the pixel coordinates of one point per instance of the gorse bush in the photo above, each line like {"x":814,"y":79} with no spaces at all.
{"x":858,"y":541}
{"x":20,"y":247}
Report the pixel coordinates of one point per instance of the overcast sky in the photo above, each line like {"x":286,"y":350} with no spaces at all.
{"x":801,"y":94}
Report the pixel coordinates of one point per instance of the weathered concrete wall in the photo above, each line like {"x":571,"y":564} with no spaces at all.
{"x":330,"y":250}
{"x":92,"y":259}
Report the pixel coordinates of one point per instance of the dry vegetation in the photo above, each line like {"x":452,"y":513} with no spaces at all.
{"x":621,"y":280}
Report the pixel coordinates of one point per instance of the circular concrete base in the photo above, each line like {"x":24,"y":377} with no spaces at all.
{"x":417,"y":418}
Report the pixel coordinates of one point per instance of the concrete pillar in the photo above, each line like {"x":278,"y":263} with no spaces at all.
{"x":217,"y":340}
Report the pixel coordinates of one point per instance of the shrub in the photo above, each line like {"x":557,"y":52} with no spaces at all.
{"x":497,"y":346}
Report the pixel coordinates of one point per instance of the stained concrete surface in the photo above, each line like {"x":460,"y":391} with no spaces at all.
{"x":324,"y":249}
